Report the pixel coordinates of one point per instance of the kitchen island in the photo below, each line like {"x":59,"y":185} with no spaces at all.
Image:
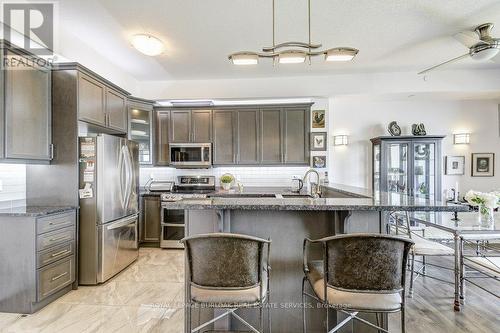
{"x":287,"y":221}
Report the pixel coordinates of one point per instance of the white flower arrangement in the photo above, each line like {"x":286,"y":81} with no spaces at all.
{"x":485,"y":201}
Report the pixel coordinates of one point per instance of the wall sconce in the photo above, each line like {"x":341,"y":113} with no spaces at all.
{"x":340,"y":140}
{"x":461,"y":138}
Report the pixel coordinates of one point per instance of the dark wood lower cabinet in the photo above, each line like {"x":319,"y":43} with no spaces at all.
{"x":151,"y":219}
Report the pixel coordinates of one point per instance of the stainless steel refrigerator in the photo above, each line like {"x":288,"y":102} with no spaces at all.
{"x":109,"y":206}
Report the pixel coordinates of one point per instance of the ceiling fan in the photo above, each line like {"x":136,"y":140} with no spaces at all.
{"x":482,"y":46}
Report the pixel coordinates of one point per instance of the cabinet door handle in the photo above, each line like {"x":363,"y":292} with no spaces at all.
{"x":58,"y":223}
{"x":60,"y":253}
{"x":58,"y":238}
{"x":57,"y":277}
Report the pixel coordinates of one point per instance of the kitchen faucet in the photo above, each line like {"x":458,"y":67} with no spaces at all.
{"x":315,"y":189}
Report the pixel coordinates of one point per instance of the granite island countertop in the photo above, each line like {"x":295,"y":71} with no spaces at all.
{"x":381,"y":202}
{"x":34,"y":211}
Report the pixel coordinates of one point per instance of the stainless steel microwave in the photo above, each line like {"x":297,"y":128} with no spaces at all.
{"x":191,"y":155}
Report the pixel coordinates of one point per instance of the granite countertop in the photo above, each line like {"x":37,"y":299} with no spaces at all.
{"x":382,"y":202}
{"x":34,"y":211}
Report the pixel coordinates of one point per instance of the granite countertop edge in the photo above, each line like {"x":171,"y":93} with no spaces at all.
{"x":34,"y":211}
{"x":301,"y":206}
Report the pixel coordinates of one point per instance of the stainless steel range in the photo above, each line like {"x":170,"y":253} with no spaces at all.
{"x":172,"y":220}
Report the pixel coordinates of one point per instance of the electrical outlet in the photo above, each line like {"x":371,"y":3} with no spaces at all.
{"x":1,"y":185}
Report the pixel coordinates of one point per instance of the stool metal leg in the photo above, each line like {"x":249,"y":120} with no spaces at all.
{"x":261,"y":319}
{"x":269,"y":311}
{"x":327,"y":321}
{"x":304,"y":328}
{"x":411,"y":274}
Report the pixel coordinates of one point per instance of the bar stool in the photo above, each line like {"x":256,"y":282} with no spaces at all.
{"x":229,"y":271}
{"x":358,"y":273}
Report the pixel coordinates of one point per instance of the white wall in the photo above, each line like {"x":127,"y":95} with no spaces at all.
{"x":363,"y":119}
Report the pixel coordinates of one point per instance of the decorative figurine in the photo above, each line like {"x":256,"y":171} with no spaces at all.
{"x":394,"y":129}
{"x":418,"y":129}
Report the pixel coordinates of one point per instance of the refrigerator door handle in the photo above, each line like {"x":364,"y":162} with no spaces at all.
{"x":121,"y":164}
{"x":128,"y":175}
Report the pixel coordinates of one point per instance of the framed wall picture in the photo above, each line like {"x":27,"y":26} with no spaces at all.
{"x":319,"y":162}
{"x":483,"y":165}
{"x":454,"y":165}
{"x":318,"y":141}
{"x":318,"y":118}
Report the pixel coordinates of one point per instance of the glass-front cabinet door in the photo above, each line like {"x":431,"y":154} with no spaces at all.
{"x":424,"y":169}
{"x":376,"y":168}
{"x":397,"y":167}
{"x":140,"y":132}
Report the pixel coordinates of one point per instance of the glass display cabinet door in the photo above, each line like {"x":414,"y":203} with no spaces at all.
{"x":140,"y":132}
{"x":376,"y":168}
{"x":397,"y":167}
{"x":424,"y":170}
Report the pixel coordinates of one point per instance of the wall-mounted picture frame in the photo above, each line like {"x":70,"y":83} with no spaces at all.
{"x":483,"y":165}
{"x":454,"y":165}
{"x":318,"y":118}
{"x":318,"y":162}
{"x":319,"y":141}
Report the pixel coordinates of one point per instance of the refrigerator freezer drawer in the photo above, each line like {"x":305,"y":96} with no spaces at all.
{"x":118,"y":244}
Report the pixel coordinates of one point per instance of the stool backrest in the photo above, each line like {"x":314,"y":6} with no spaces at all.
{"x":222,"y":260}
{"x":366,"y":262}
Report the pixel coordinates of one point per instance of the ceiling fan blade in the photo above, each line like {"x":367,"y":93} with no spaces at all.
{"x":444,"y":63}
{"x":467,"y":38}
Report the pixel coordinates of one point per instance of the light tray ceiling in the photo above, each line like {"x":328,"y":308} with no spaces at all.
{"x":392,"y":35}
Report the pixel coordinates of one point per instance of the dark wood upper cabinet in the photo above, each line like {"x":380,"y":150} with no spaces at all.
{"x":224,"y":145}
{"x":247,"y":134}
{"x":116,"y":110}
{"x":296,"y":136}
{"x":271,"y":145}
{"x":201,"y":126}
{"x":180,"y":126}
{"x":25,"y":109}
{"x":99,"y":101}
{"x":91,"y":100}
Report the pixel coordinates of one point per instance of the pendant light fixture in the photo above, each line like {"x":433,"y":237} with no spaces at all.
{"x":293,"y":52}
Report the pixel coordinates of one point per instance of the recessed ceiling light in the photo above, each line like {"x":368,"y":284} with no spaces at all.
{"x":147,"y":44}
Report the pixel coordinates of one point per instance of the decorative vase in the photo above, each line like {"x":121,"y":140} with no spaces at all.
{"x":485,"y":217}
{"x":226,"y":186}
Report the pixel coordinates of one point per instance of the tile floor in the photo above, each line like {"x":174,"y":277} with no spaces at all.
{"x":147,"y":297}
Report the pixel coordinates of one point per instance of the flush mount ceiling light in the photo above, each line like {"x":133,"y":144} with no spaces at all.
{"x":147,"y":44}
{"x":293,"y":52}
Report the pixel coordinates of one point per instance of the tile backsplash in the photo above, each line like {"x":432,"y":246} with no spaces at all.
{"x":13,"y":189}
{"x":248,"y":176}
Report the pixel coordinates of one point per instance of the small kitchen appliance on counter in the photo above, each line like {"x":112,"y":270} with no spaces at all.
{"x":172,"y":220}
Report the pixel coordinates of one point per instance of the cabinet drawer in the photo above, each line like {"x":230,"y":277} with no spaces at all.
{"x":54,"y":238}
{"x":55,"y":253}
{"x":54,"y":222}
{"x":53,"y":278}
